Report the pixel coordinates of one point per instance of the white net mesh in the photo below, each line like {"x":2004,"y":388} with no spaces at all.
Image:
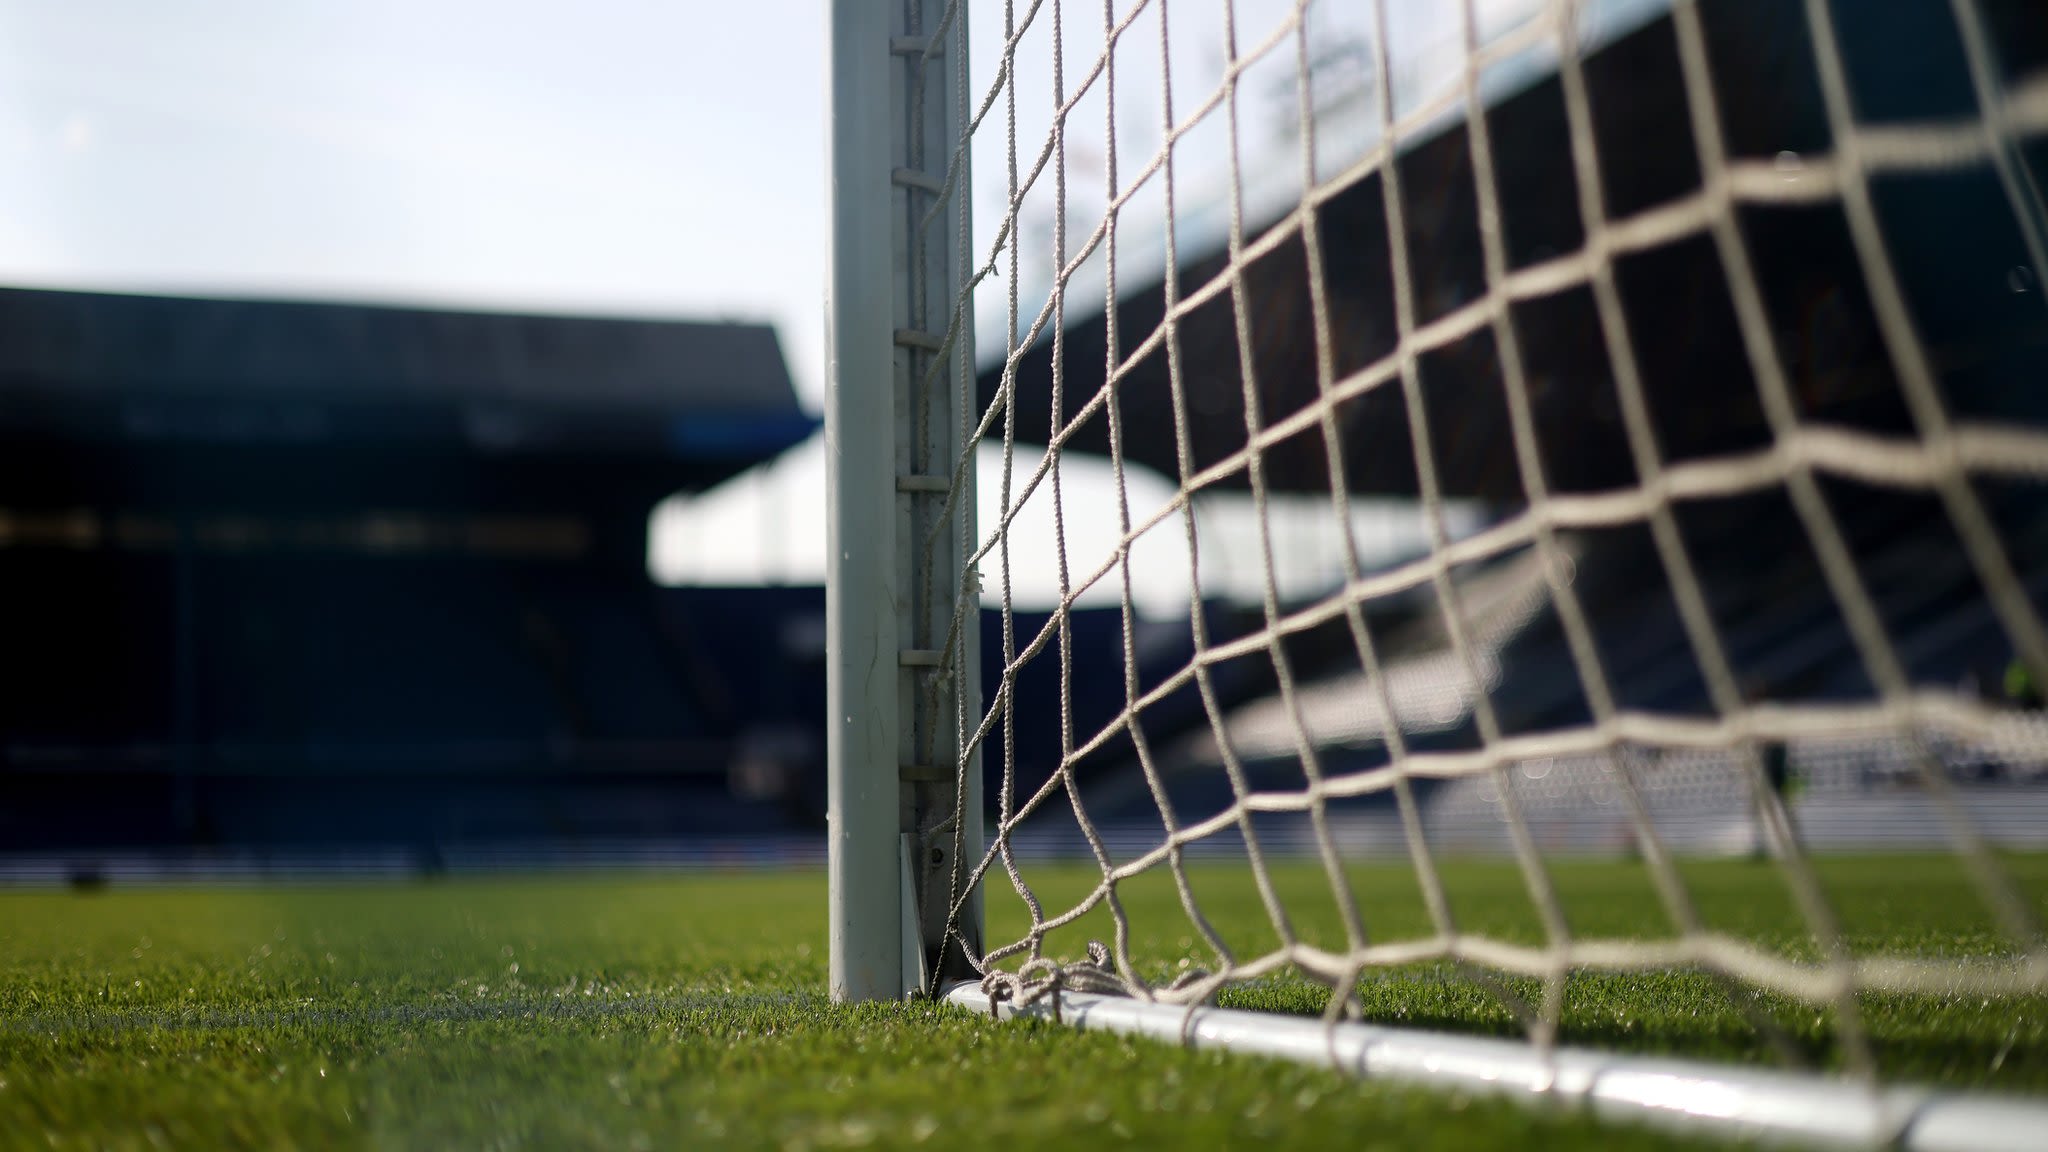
{"x":1535,"y":429}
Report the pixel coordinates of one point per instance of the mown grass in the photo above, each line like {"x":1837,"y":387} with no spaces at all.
{"x":636,"y":1012}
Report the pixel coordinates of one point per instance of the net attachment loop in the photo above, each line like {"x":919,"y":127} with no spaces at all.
{"x":914,"y":178}
{"x":916,"y":46}
{"x":924,"y":341}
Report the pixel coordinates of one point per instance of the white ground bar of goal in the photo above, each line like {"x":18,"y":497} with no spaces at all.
{"x":1735,"y":1101}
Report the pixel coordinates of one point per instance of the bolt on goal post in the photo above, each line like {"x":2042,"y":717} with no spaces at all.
{"x":904,"y":668}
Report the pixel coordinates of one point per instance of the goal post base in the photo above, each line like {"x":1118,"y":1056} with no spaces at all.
{"x":916,"y":972}
{"x":1757,"y":1103}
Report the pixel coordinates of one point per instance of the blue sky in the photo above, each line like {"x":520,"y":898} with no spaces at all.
{"x":640,"y":156}
{"x":609,"y":155}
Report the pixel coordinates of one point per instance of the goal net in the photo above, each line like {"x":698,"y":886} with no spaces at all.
{"x":1514,"y":516}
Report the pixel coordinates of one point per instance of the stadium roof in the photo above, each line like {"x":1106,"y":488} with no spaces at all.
{"x":93,"y":366}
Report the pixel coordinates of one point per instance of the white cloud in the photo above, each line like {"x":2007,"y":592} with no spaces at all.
{"x":76,"y":134}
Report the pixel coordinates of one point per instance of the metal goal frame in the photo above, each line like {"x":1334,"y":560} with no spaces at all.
{"x":902,"y":611}
{"x":903,"y":420}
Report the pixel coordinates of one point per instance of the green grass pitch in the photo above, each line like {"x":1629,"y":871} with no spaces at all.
{"x":636,"y":1012}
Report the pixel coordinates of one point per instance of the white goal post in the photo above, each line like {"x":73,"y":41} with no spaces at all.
{"x":1583,"y":429}
{"x":904,"y":665}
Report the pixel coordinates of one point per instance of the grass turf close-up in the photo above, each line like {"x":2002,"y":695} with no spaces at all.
{"x":629,"y":1011}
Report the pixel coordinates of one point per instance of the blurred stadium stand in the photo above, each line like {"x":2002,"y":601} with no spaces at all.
{"x":1960,"y":256}
{"x":288,"y":574}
